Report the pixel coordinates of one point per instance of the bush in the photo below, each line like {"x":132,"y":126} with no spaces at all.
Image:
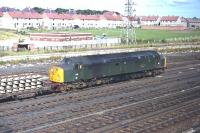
{"x":163,"y":41}
{"x":22,"y":32}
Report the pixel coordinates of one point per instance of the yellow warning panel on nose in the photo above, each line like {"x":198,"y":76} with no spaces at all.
{"x":56,"y":74}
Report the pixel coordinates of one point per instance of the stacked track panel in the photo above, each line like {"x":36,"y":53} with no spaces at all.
{"x":19,"y":83}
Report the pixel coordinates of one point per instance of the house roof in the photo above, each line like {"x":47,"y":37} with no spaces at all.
{"x":149,"y":18}
{"x":87,"y":17}
{"x":32,"y":15}
{"x":183,"y":19}
{"x":59,"y":16}
{"x":169,"y":18}
{"x":112,"y":16}
{"x":1,"y":14}
{"x":133,"y":18}
{"x":190,"y":20}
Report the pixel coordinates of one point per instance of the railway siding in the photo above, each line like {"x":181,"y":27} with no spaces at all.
{"x":165,"y":103}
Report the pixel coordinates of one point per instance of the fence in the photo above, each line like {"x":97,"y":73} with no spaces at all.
{"x":6,"y":45}
{"x":45,"y":45}
{"x":92,"y":44}
{"x":4,"y":48}
{"x":89,"y":44}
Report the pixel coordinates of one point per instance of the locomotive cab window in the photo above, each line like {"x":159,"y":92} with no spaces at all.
{"x":78,"y":66}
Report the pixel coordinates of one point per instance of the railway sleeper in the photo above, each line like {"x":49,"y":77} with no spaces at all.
{"x":170,"y":121}
{"x":12,"y":86}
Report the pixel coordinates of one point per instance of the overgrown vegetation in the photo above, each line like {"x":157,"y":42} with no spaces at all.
{"x":51,"y":59}
{"x":6,"y":34}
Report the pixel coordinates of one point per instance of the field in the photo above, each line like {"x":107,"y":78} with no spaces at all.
{"x":141,"y":35}
{"x":4,"y":35}
{"x":10,"y":34}
{"x":144,"y":34}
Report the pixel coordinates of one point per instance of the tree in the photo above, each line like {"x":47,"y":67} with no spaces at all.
{"x":89,"y":12}
{"x":38,"y":9}
{"x":61,"y":10}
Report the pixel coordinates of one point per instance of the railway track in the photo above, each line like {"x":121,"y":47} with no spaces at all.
{"x":99,"y":92}
{"x":155,"y":113}
{"x":56,"y":109}
{"x":122,"y":87}
{"x":166,"y":103}
{"x":157,"y":121}
{"x":131,"y":97}
{"x":30,"y":85}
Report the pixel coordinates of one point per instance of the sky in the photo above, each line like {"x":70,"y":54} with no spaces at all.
{"x":185,"y":8}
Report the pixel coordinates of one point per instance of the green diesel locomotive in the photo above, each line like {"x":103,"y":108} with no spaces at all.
{"x":98,"y":69}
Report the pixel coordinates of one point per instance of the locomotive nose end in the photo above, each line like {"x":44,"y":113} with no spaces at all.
{"x":56,"y":74}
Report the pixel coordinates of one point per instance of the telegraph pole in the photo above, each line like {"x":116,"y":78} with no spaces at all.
{"x":129,"y":28}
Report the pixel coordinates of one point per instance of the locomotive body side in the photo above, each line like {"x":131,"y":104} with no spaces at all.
{"x":100,"y":66}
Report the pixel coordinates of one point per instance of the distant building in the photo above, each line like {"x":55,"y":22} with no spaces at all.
{"x":173,"y":21}
{"x":1,"y":20}
{"x":111,"y":20}
{"x":87,"y":21}
{"x":53,"y":20}
{"x":57,"y":21}
{"x":6,"y":21}
{"x":193,"y":23}
{"x":150,"y":20}
{"x":21,"y":20}
{"x":135,"y":21}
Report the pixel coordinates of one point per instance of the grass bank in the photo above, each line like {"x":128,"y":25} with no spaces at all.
{"x":141,"y":35}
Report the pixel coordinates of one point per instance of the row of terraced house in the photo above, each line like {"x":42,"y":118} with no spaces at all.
{"x":22,"y":20}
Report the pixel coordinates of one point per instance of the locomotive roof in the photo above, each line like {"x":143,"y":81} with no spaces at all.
{"x":95,"y":59}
